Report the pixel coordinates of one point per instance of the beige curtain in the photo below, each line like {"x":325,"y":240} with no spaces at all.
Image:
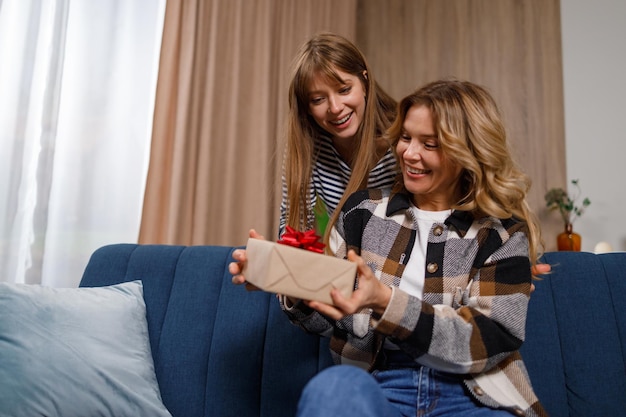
{"x":222,"y":95}
{"x":221,"y":100}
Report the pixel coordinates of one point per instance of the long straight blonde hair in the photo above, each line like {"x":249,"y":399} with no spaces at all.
{"x":325,"y":54}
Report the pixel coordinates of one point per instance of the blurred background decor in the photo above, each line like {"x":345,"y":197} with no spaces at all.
{"x":559,"y":199}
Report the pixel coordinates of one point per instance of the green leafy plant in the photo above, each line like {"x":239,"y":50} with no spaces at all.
{"x":558,"y":198}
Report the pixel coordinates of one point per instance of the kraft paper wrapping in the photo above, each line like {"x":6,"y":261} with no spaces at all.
{"x":296,"y":272}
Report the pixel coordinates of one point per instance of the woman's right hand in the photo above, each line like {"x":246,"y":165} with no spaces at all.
{"x":236,"y":268}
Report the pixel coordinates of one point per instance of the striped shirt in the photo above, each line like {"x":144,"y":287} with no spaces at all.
{"x":329,"y":179}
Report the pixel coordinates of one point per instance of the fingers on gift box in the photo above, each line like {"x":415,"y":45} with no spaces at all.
{"x":296,"y":272}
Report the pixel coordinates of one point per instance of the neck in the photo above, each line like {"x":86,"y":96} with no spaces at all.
{"x":345,"y":148}
{"x":432,"y":204}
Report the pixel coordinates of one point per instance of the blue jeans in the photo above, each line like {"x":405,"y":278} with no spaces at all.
{"x":345,"y":390}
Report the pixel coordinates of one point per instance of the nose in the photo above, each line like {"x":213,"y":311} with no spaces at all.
{"x":413,"y":151}
{"x":334,"y":105}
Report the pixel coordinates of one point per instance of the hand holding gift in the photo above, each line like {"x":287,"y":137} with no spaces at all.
{"x":236,"y":268}
{"x":293,"y":266}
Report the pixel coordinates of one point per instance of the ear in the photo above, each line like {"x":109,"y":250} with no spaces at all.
{"x":365,"y":74}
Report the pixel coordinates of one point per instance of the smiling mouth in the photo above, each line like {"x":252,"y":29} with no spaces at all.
{"x":417,"y":171}
{"x":342,"y":120}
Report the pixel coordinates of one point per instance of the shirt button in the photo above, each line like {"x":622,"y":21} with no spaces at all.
{"x":438,"y":230}
{"x":478,"y":390}
{"x":432,"y":267}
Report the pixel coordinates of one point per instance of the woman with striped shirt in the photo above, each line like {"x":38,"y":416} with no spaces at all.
{"x":337,"y":117}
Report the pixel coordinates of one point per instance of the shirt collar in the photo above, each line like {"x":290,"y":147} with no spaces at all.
{"x":460,"y":220}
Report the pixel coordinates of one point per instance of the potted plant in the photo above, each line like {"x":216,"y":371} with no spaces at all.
{"x":558,"y":198}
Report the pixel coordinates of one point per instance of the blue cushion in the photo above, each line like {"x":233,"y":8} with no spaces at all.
{"x":542,"y":350}
{"x":615,"y":265}
{"x":573,"y":349}
{"x":76,"y":352}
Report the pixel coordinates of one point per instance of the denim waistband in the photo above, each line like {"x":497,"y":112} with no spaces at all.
{"x":398,"y":359}
{"x":395,"y":359}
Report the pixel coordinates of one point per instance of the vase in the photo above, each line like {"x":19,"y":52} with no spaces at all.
{"x":568,"y":240}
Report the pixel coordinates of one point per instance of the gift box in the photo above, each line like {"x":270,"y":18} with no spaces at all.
{"x":297,"y":272}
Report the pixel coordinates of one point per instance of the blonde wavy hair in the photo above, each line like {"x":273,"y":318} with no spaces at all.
{"x":326,"y":53}
{"x":471,"y":133}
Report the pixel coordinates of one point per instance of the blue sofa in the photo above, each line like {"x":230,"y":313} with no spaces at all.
{"x":220,"y":350}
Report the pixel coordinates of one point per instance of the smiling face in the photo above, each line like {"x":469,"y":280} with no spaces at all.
{"x":337,"y":107}
{"x":432,"y":178}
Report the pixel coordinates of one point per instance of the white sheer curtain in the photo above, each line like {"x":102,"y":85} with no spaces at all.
{"x":77,"y":85}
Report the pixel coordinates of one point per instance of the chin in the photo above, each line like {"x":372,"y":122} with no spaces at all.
{"x":414,"y":189}
{"x":345,"y":135}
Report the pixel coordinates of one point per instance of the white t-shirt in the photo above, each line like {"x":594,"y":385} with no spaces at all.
{"x":413,"y":278}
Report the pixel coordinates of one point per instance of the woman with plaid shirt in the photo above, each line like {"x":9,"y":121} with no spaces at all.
{"x":444,"y":280}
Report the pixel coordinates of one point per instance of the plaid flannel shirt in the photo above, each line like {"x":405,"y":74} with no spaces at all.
{"x":471,"y":319}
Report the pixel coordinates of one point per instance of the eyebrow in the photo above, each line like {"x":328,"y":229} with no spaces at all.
{"x":332,"y":83}
{"x":433,"y":136}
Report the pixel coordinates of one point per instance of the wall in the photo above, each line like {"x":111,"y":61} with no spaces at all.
{"x":594,"y":76}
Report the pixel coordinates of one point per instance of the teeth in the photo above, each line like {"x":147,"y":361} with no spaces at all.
{"x":416,"y":171}
{"x":343,"y":120}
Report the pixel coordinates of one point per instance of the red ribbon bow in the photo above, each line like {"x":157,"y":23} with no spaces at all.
{"x":305,"y":240}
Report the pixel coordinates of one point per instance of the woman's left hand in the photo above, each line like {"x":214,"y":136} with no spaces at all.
{"x":370,"y":293}
{"x":540,"y":269}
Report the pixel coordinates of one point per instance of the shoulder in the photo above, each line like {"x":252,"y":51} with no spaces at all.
{"x":487,"y":230}
{"x":503,"y":228}
{"x":364,"y":209}
{"x":370,"y":196}
{"x":500,"y":238}
{"x":386,"y":163}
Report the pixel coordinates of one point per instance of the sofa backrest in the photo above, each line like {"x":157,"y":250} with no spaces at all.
{"x":575,"y":345}
{"x":220,"y":350}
